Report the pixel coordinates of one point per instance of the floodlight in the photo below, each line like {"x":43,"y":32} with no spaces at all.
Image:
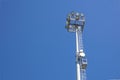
{"x":74,"y":20}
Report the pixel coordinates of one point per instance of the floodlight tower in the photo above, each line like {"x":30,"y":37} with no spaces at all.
{"x":75,"y":23}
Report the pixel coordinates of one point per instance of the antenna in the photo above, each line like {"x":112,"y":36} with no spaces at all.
{"x":75,"y":23}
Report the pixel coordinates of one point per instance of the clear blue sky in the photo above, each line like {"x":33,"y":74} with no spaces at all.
{"x":34,"y":44}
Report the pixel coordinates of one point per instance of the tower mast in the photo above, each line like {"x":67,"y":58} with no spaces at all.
{"x":75,"y":23}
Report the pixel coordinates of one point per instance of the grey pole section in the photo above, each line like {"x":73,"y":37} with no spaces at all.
{"x":77,"y":53}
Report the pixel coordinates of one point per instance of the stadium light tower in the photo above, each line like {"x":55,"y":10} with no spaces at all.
{"x":75,"y":23}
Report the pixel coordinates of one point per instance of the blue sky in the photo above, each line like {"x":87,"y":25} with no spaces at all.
{"x":34,"y":44}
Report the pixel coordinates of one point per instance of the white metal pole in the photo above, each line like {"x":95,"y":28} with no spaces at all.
{"x":77,"y":51}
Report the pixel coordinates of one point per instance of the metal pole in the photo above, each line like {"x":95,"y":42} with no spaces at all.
{"x":77,"y":52}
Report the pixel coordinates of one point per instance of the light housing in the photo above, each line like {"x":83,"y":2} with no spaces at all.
{"x":74,"y":21}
